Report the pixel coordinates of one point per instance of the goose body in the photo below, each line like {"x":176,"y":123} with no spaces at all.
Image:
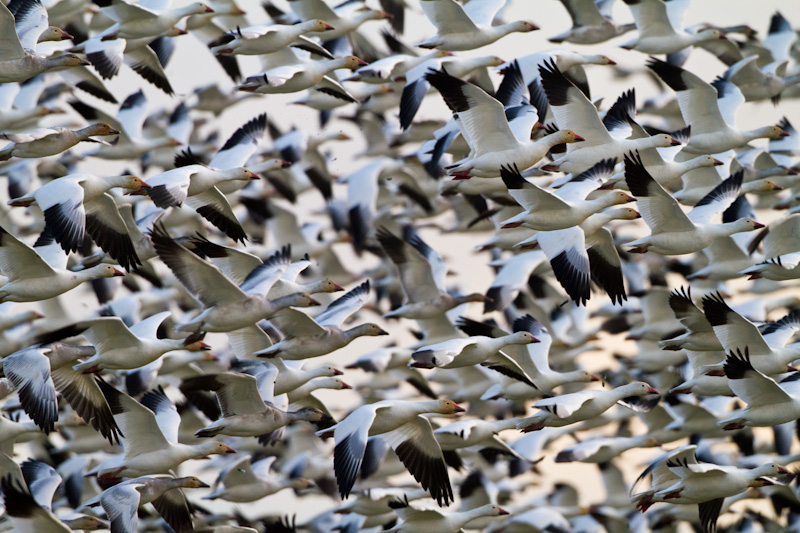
{"x":50,"y":141}
{"x":294,"y":78}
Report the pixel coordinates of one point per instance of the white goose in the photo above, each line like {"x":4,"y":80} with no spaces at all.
{"x":490,"y":148}
{"x":295,"y":78}
{"x":226,"y":306}
{"x":244,"y":481}
{"x":573,"y":111}
{"x":657,"y":35}
{"x":436,"y":521}
{"x":768,"y":403}
{"x":469,"y":26}
{"x":150,"y":440}
{"x":18,"y":59}
{"x":135,"y":21}
{"x":258,"y":40}
{"x":122,"y":348}
{"x":80,"y":204}
{"x":306,"y":337}
{"x":122,"y":501}
{"x":567,"y":206}
{"x":410,"y":435}
{"x":422,"y":275}
{"x":244,"y":411}
{"x":31,"y":278}
{"x":711,"y":131}
{"x":575,"y":407}
{"x":781,"y":252}
{"x":43,"y":142}
{"x":673,"y":232}
{"x":591,"y":23}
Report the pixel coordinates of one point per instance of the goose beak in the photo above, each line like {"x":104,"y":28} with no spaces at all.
{"x":312,"y":302}
{"x":66,"y":36}
{"x":203,"y":485}
{"x":383,"y":332}
{"x":337,"y":372}
{"x":784,"y":133}
{"x":345,"y":386}
{"x":638,"y":214}
{"x":651,"y":390}
{"x":286,"y":164}
{"x":717,"y":162}
{"x":458,"y":409}
{"x":594,"y":378}
{"x":578,"y":139}
{"x":363,"y":63}
{"x":782,"y":470}
{"x":328,"y":27}
{"x":337,"y":287}
{"x":209,"y":10}
{"x":758,"y":225}
{"x":631,"y":199}
{"x":228,"y":449}
{"x":501,"y":511}
{"x":675,"y":143}
{"x":204,"y":347}
{"x":118,"y":272}
{"x":611,"y":61}
{"x":113,"y":131}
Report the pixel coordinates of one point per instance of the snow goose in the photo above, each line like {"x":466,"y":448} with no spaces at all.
{"x":677,"y":477}
{"x":417,"y":84}
{"x":602,"y":450}
{"x":467,"y":27}
{"x":572,"y":110}
{"x":768,"y":403}
{"x":473,"y":350}
{"x":564,"y":208}
{"x":657,"y":33}
{"x":244,"y":412}
{"x":342,"y":23}
{"x":259,"y":40}
{"x":591,"y":23}
{"x":24,"y":512}
{"x":31,"y":278}
{"x":585,"y":250}
{"x":422,"y":275}
{"x":475,"y":432}
{"x":79,"y":204}
{"x":575,"y":407}
{"x":298,"y":77}
{"x":245,"y":481}
{"x":19,"y":61}
{"x":766,"y":347}
{"x":513,"y":278}
{"x":711,"y":131}
{"x":409,"y":434}
{"x":122,"y":348}
{"x":760,"y":83}
{"x":437,"y":521}
{"x":236,"y":265}
{"x":535,"y":360}
{"x":699,"y":335}
{"x":490,"y":148}
{"x":673,"y":232}
{"x":150,"y":440}
{"x":122,"y":501}
{"x":43,"y":142}
{"x":136,"y":21}
{"x":196,"y":184}
{"x":38,"y":372}
{"x":226,"y":306}
{"x":781,"y":252}
{"x":306,"y":337}
{"x":106,"y":55}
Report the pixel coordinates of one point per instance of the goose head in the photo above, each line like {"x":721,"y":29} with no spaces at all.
{"x":328,"y":285}
{"x":616,"y":198}
{"x":744,"y":224}
{"x":317,"y":25}
{"x":217,"y":448}
{"x":53,"y":33}
{"x":624,"y":213}
{"x":597,"y":59}
{"x":67,"y":60}
{"x":448,"y":407}
{"x":136,"y":186}
{"x":350,"y":62}
{"x":311,"y":414}
{"x":368,"y":330}
{"x":101,"y":129}
{"x":194,"y":343}
{"x":568,"y":136}
{"x":327,"y":370}
{"x":709,"y":34}
{"x":103,"y":270}
{"x":521,"y":26}
{"x":663,"y":140}
{"x":521,"y":337}
{"x":243,"y":174}
{"x":191,"y":482}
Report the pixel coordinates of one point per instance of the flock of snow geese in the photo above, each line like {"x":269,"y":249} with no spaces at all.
{"x":197,"y":334}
